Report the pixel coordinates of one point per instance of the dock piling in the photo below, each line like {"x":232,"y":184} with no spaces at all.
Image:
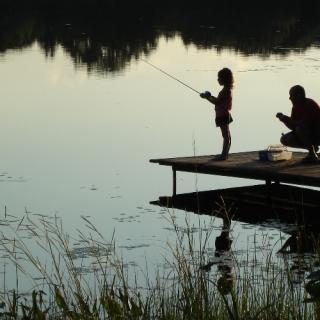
{"x":174,"y":176}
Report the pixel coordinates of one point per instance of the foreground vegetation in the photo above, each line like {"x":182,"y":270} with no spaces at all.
{"x":85,"y":279}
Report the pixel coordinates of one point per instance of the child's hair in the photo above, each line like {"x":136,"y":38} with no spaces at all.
{"x":226,"y":77}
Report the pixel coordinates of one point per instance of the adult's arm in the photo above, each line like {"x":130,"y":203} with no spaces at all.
{"x":288,"y":122}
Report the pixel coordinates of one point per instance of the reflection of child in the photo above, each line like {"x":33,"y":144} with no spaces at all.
{"x":223,"y":104}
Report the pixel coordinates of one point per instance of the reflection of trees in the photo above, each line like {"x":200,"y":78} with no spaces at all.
{"x":19,"y":34}
{"x":102,"y":47}
{"x":107,"y":37}
{"x":252,"y":30}
{"x":107,"y":51}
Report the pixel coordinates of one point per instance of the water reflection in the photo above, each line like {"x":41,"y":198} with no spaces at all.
{"x":258,"y":204}
{"x":223,"y":258}
{"x":106,"y":39}
{"x":300,"y":241}
{"x":299,"y":252}
{"x":292,"y":210}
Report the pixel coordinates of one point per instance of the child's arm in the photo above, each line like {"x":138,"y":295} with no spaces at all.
{"x":212,"y":99}
{"x":207,"y":95}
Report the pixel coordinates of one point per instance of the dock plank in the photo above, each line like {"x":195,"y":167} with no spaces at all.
{"x":247,"y":165}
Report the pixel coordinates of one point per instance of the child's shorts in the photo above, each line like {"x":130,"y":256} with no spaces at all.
{"x":223,"y":120}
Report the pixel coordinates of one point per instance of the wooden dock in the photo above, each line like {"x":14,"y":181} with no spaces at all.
{"x":247,"y":165}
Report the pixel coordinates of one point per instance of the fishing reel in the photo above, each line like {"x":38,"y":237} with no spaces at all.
{"x":205,"y":94}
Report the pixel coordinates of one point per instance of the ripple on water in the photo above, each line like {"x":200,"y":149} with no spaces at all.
{"x":128,"y":219}
{"x":6,"y":177}
{"x":130,"y":264}
{"x":91,"y":187}
{"x":137,"y":246}
{"x":90,"y":251}
{"x":247,"y":226}
{"x":85,"y":270}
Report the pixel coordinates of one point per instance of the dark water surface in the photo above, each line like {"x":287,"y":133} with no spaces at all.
{"x":82,"y":114}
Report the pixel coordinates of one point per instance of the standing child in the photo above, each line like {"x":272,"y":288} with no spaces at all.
{"x":223,"y":105}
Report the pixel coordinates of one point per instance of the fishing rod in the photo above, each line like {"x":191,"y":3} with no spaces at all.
{"x":169,"y":75}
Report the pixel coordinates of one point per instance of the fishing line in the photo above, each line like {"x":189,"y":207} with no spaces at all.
{"x":169,"y":75}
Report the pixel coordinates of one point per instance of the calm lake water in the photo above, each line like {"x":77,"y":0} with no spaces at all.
{"x":77,"y":143}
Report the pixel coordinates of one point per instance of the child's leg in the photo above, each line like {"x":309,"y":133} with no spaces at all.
{"x":226,"y":140}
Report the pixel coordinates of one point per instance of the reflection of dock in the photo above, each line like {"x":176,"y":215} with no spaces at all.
{"x":252,"y":204}
{"x":247,"y":165}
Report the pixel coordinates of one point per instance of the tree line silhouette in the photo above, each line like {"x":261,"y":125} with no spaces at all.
{"x":105,"y":35}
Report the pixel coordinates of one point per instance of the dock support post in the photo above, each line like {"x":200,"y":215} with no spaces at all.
{"x":268,"y":193}
{"x":174,"y":176}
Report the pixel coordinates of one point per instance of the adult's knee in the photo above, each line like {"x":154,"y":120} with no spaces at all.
{"x":304,"y":134}
{"x":284,"y":140}
{"x":290,"y":139}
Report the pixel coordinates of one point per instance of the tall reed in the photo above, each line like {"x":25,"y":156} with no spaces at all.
{"x":192,"y":286}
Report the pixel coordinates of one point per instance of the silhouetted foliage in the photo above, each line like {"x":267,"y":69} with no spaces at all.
{"x":106,"y":35}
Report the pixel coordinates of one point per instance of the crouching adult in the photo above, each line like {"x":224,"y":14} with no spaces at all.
{"x":304,"y":124}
